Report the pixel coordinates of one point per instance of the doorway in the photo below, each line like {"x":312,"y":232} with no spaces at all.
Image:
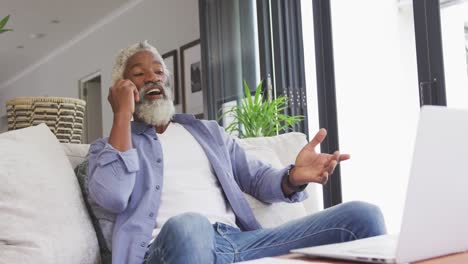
{"x":90,"y":91}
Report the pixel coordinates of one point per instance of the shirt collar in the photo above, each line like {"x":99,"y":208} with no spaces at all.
{"x":141,"y":127}
{"x":183,"y":118}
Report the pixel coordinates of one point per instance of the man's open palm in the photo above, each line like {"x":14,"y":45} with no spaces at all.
{"x":316,"y":167}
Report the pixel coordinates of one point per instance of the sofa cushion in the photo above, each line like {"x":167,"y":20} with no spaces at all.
{"x":278,"y":151}
{"x":76,"y":153}
{"x":285,"y":147}
{"x":43,"y":218}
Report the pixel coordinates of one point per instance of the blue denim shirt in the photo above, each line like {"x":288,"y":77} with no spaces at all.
{"x":129,"y":183}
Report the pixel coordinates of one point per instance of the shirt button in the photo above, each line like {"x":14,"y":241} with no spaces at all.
{"x":157,"y":187}
{"x":142,"y":244}
{"x":158,"y":160}
{"x":155,"y":138}
{"x":151,"y":214}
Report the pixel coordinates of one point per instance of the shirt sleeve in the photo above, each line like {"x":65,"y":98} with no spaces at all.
{"x":257,"y":178}
{"x":111,"y":175}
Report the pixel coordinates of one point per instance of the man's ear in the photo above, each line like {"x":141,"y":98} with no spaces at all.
{"x":167,"y":83}
{"x":125,"y":74}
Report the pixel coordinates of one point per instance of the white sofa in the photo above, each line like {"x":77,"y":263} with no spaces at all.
{"x":43,"y":217}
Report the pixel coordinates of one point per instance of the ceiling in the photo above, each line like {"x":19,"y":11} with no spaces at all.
{"x":37,"y":17}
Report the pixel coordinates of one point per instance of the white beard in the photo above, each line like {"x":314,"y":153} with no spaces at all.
{"x":155,"y":112}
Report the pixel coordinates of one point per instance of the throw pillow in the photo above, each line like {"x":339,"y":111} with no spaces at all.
{"x":43,"y":218}
{"x":103,"y":220}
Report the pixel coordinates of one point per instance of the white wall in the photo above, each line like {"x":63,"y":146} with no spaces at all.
{"x":167,"y":24}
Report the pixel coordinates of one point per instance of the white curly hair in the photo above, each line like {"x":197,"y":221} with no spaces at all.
{"x":124,"y":54}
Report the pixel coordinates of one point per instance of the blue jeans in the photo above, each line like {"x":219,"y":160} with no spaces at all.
{"x":190,"y":238}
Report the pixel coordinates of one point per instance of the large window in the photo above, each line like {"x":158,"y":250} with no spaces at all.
{"x":454,"y":24}
{"x":377,"y":99}
{"x":228,"y":33}
{"x":310,"y":75}
{"x":366,"y":65}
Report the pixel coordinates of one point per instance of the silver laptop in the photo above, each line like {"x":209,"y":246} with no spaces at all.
{"x":435,"y":216}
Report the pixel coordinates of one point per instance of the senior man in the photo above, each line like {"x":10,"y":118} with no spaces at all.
{"x":176,"y":183}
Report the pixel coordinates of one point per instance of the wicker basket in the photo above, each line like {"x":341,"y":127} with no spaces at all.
{"x":64,"y":116}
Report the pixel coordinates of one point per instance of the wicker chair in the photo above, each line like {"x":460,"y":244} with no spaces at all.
{"x":64,"y":116}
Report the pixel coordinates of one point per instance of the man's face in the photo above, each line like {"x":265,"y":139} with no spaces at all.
{"x":155,"y":106}
{"x":142,"y":69}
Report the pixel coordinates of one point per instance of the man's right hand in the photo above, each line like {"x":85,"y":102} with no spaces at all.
{"x":122,"y":97}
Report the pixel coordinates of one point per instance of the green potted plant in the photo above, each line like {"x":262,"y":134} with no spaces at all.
{"x":256,"y":117}
{"x":3,"y":24}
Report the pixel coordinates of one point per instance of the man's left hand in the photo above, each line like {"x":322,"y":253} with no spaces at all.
{"x":316,"y":167}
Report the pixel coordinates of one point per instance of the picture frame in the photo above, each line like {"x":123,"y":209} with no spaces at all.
{"x":171,"y":60}
{"x":192,"y":92}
